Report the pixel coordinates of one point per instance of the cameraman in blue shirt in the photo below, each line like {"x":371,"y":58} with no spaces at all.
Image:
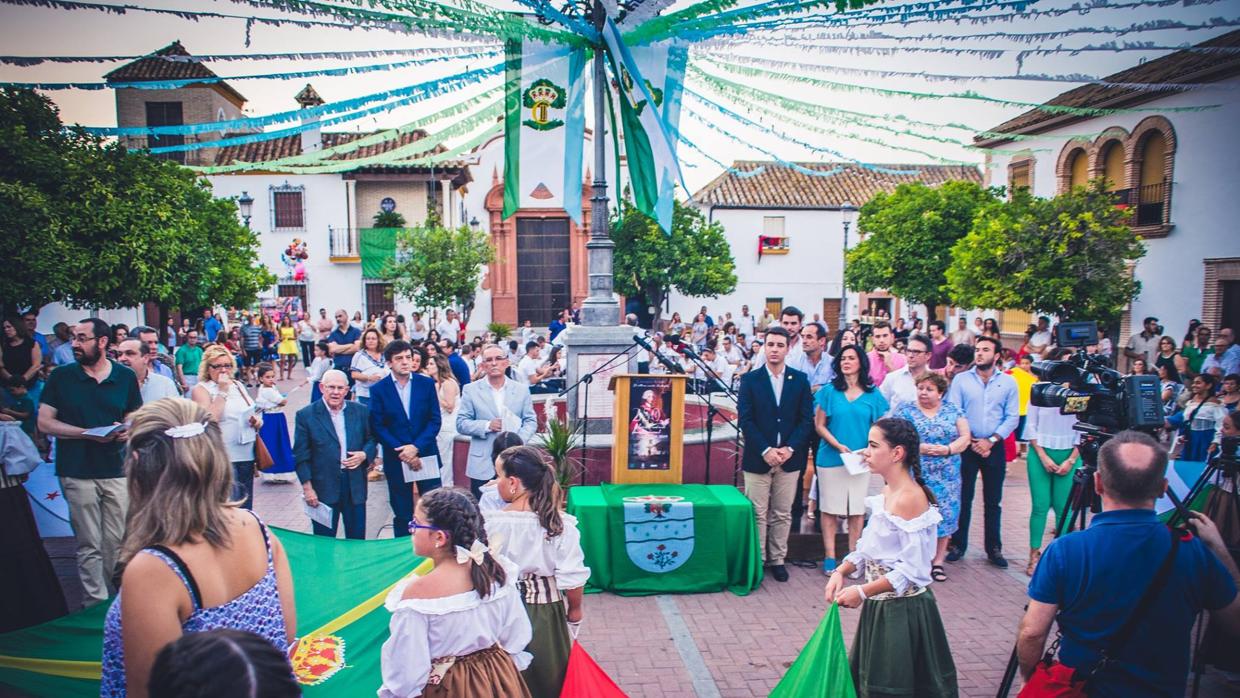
{"x":1091,"y":580}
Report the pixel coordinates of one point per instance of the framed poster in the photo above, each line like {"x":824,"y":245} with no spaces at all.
{"x":648,"y":426}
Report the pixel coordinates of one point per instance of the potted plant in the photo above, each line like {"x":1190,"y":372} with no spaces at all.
{"x":389,"y":219}
{"x":559,"y":441}
{"x":501,"y":330}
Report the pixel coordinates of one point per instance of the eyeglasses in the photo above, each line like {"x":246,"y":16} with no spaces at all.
{"x":414,"y":525}
{"x":915,"y":351}
{"x":219,"y":367}
{"x":81,"y":338}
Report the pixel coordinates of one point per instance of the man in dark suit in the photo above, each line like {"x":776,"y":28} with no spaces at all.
{"x":777,"y":423}
{"x":332,"y":445}
{"x":404,"y":413}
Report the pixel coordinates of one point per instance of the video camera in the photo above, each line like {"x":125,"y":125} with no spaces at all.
{"x":1104,"y":400}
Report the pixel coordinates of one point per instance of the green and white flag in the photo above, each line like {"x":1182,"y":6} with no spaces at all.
{"x":651,"y":80}
{"x":544,"y":126}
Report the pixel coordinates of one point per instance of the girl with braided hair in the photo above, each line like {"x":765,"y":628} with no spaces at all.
{"x":545,"y":545}
{"x":461,"y":629}
{"x":900,"y":648}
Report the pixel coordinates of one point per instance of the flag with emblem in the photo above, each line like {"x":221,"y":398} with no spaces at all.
{"x":651,"y":83}
{"x":544,"y":126}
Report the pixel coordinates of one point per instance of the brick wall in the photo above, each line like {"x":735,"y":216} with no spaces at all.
{"x":198,"y":105}
{"x":410,"y":197}
{"x":1216,"y":272}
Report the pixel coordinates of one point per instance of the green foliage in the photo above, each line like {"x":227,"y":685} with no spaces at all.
{"x":437,"y":266}
{"x":559,"y":441}
{"x":909,"y":235}
{"x":501,"y":330}
{"x":389,"y":219}
{"x":93,"y":225}
{"x":695,"y":258}
{"x":1066,"y":256}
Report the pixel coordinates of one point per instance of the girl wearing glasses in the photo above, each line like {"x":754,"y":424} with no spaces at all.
{"x":546,"y":547}
{"x":465,"y":613}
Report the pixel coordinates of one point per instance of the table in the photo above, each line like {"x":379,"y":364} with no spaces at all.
{"x":644,"y":539}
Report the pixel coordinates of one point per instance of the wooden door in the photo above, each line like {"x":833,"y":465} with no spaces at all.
{"x":543,"y":287}
{"x":1231,"y":305}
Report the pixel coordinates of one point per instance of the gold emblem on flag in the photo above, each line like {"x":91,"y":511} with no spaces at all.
{"x":540,"y":98}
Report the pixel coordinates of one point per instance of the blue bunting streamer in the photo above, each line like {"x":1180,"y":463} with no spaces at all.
{"x":790,"y":165}
{"x":424,"y":89}
{"x":27,"y":61}
{"x":175,"y":84}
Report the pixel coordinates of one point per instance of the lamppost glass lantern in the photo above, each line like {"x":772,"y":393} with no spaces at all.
{"x":245,"y":204}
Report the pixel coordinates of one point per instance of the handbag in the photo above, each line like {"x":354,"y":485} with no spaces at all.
{"x":1052,"y":679}
{"x":262,"y":457}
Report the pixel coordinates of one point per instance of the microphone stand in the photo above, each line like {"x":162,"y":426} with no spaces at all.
{"x":711,"y":410}
{"x":586,"y":380}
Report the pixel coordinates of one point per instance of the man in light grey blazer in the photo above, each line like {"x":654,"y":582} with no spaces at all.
{"x":489,"y":407}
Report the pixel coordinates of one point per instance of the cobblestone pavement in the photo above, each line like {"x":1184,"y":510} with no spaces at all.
{"x":675,"y":646}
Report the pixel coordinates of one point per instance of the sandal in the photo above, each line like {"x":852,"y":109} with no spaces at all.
{"x":937,"y":573}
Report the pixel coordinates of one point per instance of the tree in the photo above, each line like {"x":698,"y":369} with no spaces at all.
{"x":909,"y":235}
{"x":1068,"y":256}
{"x":92,"y":225}
{"x":694,"y":259}
{"x":437,"y":266}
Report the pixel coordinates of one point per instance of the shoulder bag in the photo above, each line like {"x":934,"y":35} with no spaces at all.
{"x":1052,"y":679}
{"x":262,"y":457}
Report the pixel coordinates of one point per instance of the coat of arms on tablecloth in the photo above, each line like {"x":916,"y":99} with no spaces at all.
{"x":658,"y":532}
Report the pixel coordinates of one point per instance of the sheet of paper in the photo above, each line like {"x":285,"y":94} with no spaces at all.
{"x":429,"y":469}
{"x":102,"y":431}
{"x":510,"y":420}
{"x":322,"y":514}
{"x":854,"y":464}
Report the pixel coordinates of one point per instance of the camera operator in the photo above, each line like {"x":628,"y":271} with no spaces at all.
{"x":1090,"y":582}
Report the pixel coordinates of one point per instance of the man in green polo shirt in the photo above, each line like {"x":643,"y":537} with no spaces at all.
{"x":1196,"y":352}
{"x":91,"y":392}
{"x":188,"y":360}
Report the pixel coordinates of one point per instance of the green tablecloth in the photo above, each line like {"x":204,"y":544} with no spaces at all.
{"x":656,"y":539}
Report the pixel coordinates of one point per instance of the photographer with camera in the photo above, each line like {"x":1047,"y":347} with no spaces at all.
{"x":1126,"y":591}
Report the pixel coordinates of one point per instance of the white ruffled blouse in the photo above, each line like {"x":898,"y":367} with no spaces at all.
{"x":422,"y":629}
{"x":905,"y":546}
{"x":521,"y":538}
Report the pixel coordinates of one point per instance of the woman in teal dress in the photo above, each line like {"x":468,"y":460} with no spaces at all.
{"x":844,"y":410}
{"x":944,"y":434}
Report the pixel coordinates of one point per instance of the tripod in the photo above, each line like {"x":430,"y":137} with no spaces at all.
{"x":1081,"y":499}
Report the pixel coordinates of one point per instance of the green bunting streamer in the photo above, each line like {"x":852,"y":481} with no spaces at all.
{"x":27,"y":61}
{"x":967,"y":95}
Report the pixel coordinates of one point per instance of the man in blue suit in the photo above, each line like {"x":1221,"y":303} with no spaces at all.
{"x":333,"y":443}
{"x":404,"y":412}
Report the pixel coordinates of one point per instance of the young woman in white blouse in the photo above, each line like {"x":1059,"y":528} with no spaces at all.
{"x":900,"y":647}
{"x":460,"y":630}
{"x":545,"y":545}
{"x":1051,"y":462}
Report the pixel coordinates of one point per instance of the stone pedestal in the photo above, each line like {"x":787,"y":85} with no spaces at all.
{"x":588,"y":348}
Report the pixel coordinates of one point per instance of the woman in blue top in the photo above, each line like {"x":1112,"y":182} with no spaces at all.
{"x":844,"y":411}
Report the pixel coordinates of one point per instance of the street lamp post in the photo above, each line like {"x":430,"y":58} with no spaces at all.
{"x":245,"y":204}
{"x":847,"y":212}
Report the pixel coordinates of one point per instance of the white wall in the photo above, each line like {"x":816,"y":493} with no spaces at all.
{"x":1204,"y":207}
{"x":810,"y":272}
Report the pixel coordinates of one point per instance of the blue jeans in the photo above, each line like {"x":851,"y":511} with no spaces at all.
{"x":400,"y":493}
{"x":353,"y":513}
{"x":243,"y":483}
{"x":993,"y":470}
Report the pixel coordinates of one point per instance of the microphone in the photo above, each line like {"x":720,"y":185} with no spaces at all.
{"x":682,"y":346}
{"x":644,"y":343}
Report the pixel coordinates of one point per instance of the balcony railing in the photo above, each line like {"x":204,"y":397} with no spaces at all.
{"x":1146,"y":203}
{"x":342,"y":245}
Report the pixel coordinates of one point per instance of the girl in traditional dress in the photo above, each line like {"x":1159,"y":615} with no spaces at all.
{"x":461,"y":629}
{"x":900,"y":648}
{"x":546,"y":547}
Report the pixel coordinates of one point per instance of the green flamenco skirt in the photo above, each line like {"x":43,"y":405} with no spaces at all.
{"x":901,"y":650}
{"x":550,"y":647}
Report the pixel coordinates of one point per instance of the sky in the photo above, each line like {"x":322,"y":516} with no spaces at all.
{"x":28,"y":31}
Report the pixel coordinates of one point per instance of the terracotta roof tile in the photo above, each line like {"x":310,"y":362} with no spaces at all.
{"x":155,"y":67}
{"x":778,"y":186}
{"x":1179,"y":67}
{"x":291,"y":145}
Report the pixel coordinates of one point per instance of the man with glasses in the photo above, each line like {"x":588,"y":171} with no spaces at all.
{"x":92,"y":392}
{"x":489,"y":407}
{"x":188,"y":359}
{"x":332,"y":445}
{"x":901,"y":384}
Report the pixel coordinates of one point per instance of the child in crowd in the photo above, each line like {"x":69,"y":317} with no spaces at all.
{"x":490,"y":499}
{"x":460,"y":630}
{"x":545,"y":545}
{"x":322,"y":364}
{"x":269,"y":397}
{"x":19,"y":406}
{"x":274,"y":431}
{"x":222,"y":663}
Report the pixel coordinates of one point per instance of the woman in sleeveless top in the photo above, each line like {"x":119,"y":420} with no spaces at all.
{"x":900,"y":648}
{"x":449,"y":393}
{"x":545,"y":545}
{"x":227,"y":402}
{"x":460,"y":630}
{"x":193,"y":561}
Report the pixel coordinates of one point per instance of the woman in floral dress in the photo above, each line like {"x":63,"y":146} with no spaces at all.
{"x":944,"y":434}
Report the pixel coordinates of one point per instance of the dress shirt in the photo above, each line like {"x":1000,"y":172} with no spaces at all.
{"x":1228,"y":363}
{"x":403,"y":392}
{"x":878,"y":370}
{"x":157,"y":387}
{"x":819,"y":374}
{"x":898,"y":388}
{"x":1050,"y":428}
{"x":745,"y":326}
{"x":777,"y":383}
{"x":338,"y":422}
{"x":1144,"y":346}
{"x":992,"y":408}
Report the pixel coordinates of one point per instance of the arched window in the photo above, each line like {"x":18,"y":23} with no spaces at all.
{"x":1112,"y":165}
{"x":1152,"y":194}
{"x":1078,"y":168}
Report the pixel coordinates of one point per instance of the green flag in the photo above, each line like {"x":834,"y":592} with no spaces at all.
{"x":821,"y":670}
{"x":339,"y":588}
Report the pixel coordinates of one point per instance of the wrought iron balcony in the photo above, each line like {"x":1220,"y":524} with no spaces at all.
{"x":1146,"y":204}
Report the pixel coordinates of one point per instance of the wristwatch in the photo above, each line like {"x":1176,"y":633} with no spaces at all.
{"x":993,"y":439}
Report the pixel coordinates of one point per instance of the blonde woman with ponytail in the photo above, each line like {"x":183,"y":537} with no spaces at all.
{"x":900,"y":647}
{"x":545,"y":545}
{"x":193,"y":559}
{"x":460,"y":630}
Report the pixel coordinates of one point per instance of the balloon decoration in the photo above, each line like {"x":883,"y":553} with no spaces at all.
{"x":294,"y":257}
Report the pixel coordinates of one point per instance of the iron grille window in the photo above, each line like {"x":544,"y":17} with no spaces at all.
{"x":289,"y":212}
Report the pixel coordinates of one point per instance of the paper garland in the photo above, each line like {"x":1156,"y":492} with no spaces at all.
{"x":790,"y":165}
{"x":27,"y":61}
